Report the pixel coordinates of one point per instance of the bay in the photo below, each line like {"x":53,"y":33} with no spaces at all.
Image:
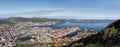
{"x":97,"y":26}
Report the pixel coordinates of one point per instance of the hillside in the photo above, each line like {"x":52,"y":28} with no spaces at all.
{"x":5,"y":22}
{"x":109,"y":37}
{"x":34,"y":19}
{"x":13,"y":20}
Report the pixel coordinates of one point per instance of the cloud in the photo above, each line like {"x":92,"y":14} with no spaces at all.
{"x":37,"y":13}
{"x":70,"y":13}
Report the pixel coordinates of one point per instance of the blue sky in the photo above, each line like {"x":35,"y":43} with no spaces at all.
{"x":73,"y":9}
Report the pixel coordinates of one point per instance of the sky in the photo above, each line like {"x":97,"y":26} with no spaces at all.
{"x":69,"y":9}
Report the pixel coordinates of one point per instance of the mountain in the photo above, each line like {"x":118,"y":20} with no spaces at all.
{"x":109,"y":37}
{"x":34,"y":19}
{"x":22,"y":19}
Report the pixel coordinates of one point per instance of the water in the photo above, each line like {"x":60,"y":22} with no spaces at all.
{"x":98,"y":26}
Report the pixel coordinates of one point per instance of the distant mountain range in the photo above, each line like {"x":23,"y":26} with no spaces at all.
{"x":36,"y":19}
{"x":23,"y":19}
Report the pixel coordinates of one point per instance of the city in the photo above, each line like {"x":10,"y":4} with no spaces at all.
{"x":59,"y":23}
{"x":31,"y":33}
